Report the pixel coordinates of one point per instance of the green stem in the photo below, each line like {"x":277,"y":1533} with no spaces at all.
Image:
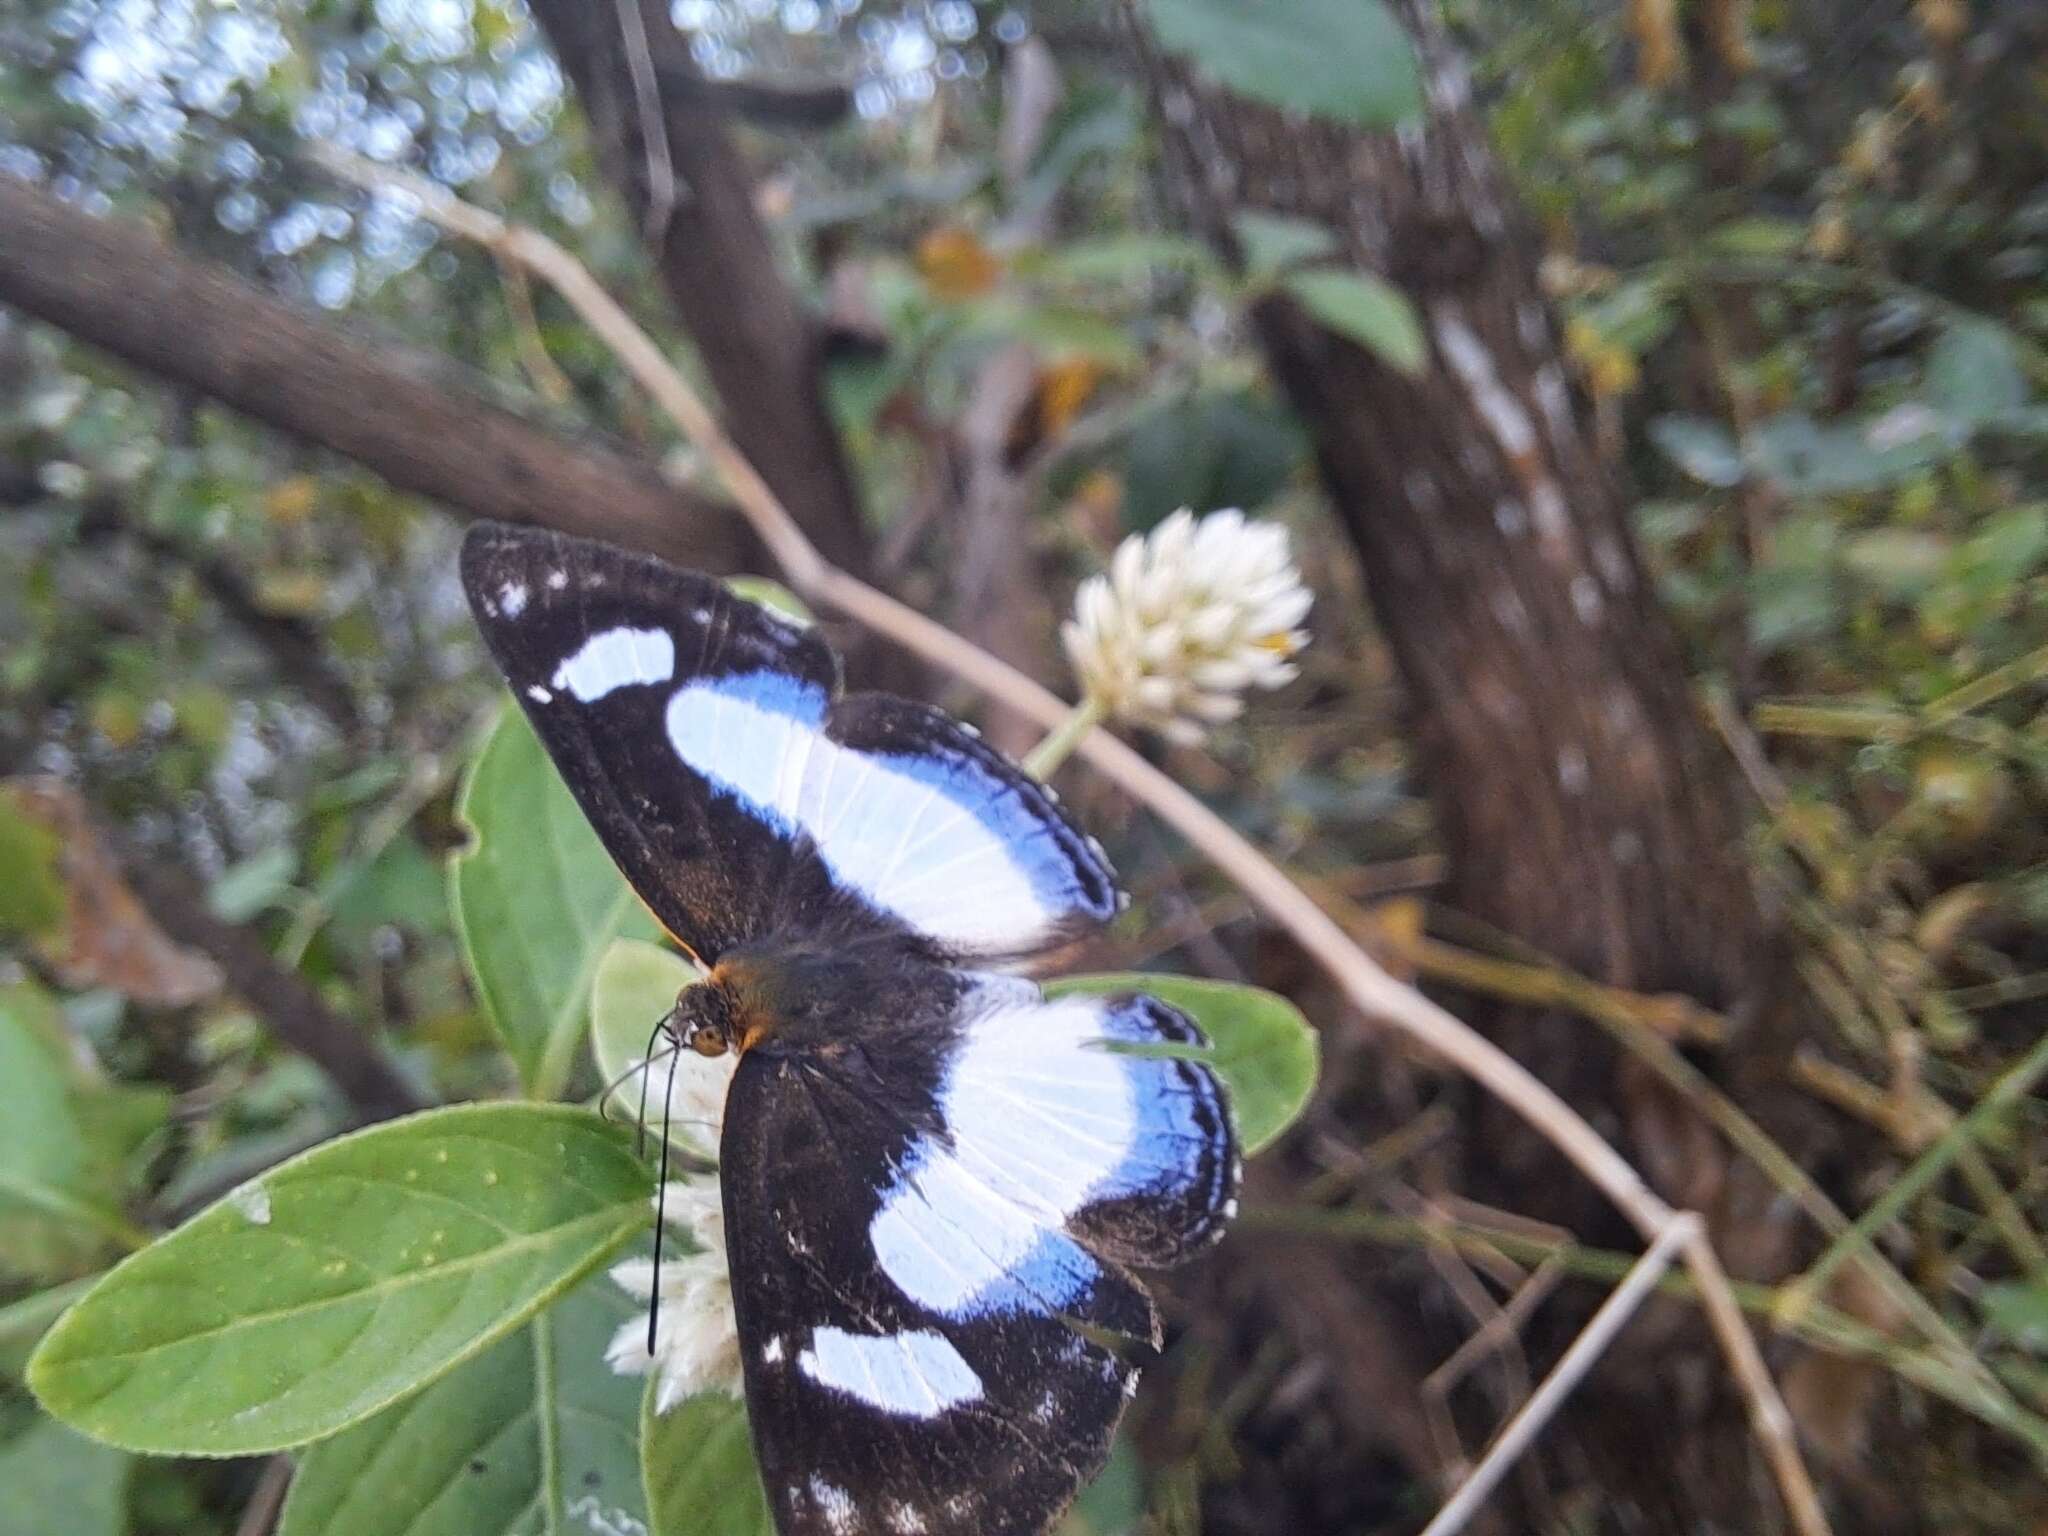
{"x":1061,"y":740}
{"x":1924,"y":1171}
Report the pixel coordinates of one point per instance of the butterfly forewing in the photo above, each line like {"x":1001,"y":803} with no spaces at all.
{"x":743,"y":796}
{"x":926,"y":1239}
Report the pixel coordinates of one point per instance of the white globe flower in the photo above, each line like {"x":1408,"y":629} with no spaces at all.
{"x":696,"y":1340}
{"x":1186,"y":618}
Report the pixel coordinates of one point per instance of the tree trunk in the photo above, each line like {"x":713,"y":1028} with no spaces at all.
{"x":1585,"y":808}
{"x":693,"y":196}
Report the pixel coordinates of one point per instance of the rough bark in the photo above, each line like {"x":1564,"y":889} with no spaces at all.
{"x":416,"y":419}
{"x":764,"y":353}
{"x":1585,"y":808}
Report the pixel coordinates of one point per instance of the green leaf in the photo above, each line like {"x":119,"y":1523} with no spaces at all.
{"x":54,"y":1214}
{"x":1062,"y":329}
{"x":697,"y":1461}
{"x":1259,"y":1044}
{"x":1216,"y":450}
{"x":772,"y":595}
{"x":1701,"y":448}
{"x":1974,"y":372}
{"x":1365,"y":308}
{"x":32,"y":894}
{"x":536,"y":1434}
{"x":1121,"y":258}
{"x":636,"y":984}
{"x":23,"y":1323}
{"x":1272,"y":242}
{"x":537,"y":900}
{"x":1806,"y":457}
{"x":257,"y":883}
{"x":2018,"y":1309}
{"x":1760,"y":235}
{"x":55,"y":1479}
{"x":1114,"y":1504}
{"x":340,"y":1281}
{"x":1346,"y":59}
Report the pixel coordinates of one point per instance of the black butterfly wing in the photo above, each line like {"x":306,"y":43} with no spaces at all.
{"x":925,"y":1230}
{"x":706,"y":740}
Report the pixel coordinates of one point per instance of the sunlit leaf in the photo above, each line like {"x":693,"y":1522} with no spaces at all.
{"x":537,"y":901}
{"x":328,"y":1288}
{"x":1259,"y":1044}
{"x":1346,"y":59}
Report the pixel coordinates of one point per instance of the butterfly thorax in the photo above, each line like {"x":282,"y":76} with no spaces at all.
{"x":785,"y":997}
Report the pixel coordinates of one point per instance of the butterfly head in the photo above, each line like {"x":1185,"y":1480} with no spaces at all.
{"x":703,"y":1020}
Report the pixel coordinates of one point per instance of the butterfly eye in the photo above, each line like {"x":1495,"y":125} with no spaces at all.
{"x":709,"y":1040}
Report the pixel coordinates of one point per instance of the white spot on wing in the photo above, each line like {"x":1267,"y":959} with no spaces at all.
{"x":557,"y":580}
{"x":512,"y":599}
{"x":915,"y":1373}
{"x":538,"y":694}
{"x":771,"y":1352}
{"x":616,"y":658}
{"x":835,"y":1504}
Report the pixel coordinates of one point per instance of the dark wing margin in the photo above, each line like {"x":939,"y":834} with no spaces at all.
{"x":594,"y":641}
{"x":707,"y":742}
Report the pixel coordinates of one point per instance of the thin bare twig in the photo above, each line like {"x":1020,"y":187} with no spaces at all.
{"x":1521,"y":1430}
{"x":1369,"y":987}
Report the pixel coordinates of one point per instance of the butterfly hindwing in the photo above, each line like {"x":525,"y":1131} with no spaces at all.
{"x":707,"y":741}
{"x":927,"y":1271}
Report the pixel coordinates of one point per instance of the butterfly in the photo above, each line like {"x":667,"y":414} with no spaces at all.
{"x":936,"y":1180}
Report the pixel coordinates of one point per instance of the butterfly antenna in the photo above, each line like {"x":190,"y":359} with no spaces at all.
{"x":660,"y":1198}
{"x":646,"y":1071}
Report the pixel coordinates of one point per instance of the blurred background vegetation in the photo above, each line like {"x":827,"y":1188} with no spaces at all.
{"x":982,"y":289}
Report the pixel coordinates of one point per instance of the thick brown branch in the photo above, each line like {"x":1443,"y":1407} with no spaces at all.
{"x":415,"y":419}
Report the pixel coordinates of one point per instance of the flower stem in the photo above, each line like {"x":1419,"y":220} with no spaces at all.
{"x":1045,"y":758}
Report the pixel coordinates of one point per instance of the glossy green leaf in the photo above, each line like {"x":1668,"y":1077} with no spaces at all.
{"x":698,"y":1463}
{"x":537,"y":1434}
{"x":340,"y":1281}
{"x":1259,"y":1044}
{"x":1346,"y":59}
{"x":53,"y":1479}
{"x":537,"y":900}
{"x":1366,"y":309}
